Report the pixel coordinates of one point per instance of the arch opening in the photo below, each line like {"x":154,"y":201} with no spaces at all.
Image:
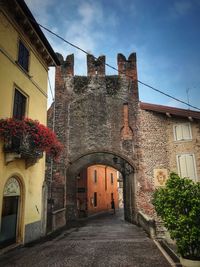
{"x":99,"y":188}
{"x":87,"y":163}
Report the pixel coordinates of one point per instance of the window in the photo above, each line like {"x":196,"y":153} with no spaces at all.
{"x":95,"y":176}
{"x":111,"y":196}
{"x":182,"y":131}
{"x":23,"y":56}
{"x":95,"y":199}
{"x":111,"y":178}
{"x":19,"y":106}
{"x":186,"y":166}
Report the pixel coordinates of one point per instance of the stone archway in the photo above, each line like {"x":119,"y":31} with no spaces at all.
{"x":108,"y":159}
{"x":96,"y":119}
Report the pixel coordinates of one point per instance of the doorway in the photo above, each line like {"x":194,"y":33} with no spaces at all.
{"x":10,"y":213}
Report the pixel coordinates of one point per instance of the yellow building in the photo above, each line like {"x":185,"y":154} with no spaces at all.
{"x":25,"y":56}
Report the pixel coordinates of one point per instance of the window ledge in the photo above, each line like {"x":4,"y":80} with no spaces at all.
{"x":25,"y":71}
{"x":58,"y":211}
{"x":183,"y":141}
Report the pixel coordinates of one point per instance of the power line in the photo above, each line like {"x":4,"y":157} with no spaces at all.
{"x":110,"y":66}
{"x":161,"y":92}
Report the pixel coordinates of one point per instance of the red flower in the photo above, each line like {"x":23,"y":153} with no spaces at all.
{"x":41,"y":137}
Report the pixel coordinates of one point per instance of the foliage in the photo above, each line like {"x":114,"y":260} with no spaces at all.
{"x":40,"y":137}
{"x":178,"y":204}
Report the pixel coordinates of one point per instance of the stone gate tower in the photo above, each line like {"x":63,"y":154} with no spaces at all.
{"x":96,"y":119}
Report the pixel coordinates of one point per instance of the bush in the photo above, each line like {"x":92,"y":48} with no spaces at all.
{"x":178,"y":204}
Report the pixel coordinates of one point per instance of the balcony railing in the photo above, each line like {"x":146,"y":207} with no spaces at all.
{"x":21,"y":148}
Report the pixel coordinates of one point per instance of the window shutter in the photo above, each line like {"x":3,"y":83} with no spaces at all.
{"x":187,"y":166}
{"x":178,"y":132}
{"x":19,"y":105}
{"x":23,"y":56}
{"x":190,"y":166}
{"x":182,"y":132}
{"x":182,"y":165}
{"x":186,"y":131}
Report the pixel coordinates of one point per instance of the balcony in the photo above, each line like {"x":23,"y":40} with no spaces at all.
{"x":27,"y":139}
{"x":21,"y":148}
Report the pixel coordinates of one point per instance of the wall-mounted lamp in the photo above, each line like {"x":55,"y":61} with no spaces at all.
{"x":125,"y":166}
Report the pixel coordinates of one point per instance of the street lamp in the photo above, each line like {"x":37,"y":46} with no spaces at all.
{"x":125,"y":166}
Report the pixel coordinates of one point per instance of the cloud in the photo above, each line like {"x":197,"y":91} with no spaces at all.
{"x":84,"y":27}
{"x":180,"y":8}
{"x":40,"y":9}
{"x":90,"y":12}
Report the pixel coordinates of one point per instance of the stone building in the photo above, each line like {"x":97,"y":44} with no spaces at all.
{"x":100,"y":120}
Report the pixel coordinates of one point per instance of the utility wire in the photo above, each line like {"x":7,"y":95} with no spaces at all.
{"x":161,"y":92}
{"x":110,"y":66}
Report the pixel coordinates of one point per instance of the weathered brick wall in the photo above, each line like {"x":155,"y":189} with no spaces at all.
{"x":89,"y":118}
{"x":153,"y":153}
{"x":97,"y":118}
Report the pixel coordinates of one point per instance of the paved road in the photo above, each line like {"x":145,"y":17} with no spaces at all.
{"x":103,"y":241}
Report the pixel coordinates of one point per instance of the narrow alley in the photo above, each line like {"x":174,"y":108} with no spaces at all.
{"x":103,"y":240}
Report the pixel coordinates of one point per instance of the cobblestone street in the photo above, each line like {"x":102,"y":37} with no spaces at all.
{"x":104,"y":240}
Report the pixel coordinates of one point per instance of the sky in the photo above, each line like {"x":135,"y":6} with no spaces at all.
{"x":164,"y":34}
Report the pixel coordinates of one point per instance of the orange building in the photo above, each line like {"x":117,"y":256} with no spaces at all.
{"x":96,"y":186}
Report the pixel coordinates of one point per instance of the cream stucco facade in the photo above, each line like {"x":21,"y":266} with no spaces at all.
{"x":33,"y":85}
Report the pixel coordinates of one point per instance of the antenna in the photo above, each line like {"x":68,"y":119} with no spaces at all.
{"x":188,"y":98}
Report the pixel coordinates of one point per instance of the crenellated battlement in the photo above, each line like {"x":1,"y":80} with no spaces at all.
{"x":96,"y":66}
{"x":96,"y":76}
{"x":128,"y":66}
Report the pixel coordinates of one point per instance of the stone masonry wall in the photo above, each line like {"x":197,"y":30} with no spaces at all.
{"x":93,"y":114}
{"x":158,"y":150}
{"x":153,"y":154}
{"x":180,"y":147}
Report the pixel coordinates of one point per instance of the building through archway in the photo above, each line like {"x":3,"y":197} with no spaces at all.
{"x":99,"y":189}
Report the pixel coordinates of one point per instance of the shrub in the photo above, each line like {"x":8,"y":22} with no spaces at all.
{"x":178,"y":204}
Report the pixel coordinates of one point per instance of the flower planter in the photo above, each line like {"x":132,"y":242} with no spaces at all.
{"x":189,"y":263}
{"x":28,"y":139}
{"x":30,"y":157}
{"x":21,"y":150}
{"x":9,"y":157}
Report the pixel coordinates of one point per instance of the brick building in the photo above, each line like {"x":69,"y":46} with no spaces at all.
{"x":100,"y":120}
